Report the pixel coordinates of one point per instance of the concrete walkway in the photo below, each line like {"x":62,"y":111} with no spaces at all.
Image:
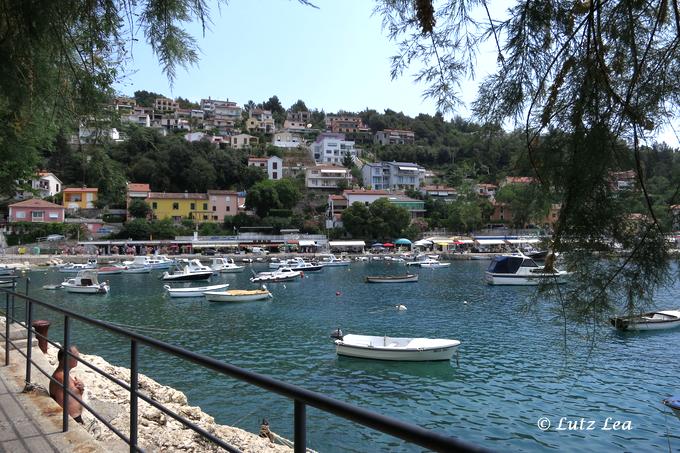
{"x":31,"y":421}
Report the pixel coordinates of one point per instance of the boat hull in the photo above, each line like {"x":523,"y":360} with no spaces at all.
{"x":137,"y":270}
{"x":414,"y":355}
{"x":86,"y":289}
{"x":236,"y":296}
{"x":673,"y":403}
{"x":667,"y":320}
{"x":390,"y":279}
{"x":193,"y":292}
{"x":522,"y":280}
{"x":187,"y":277}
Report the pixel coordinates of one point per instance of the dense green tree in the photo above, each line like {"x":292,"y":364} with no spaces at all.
{"x":355,"y":220}
{"x":528,"y":203}
{"x":299,"y":106}
{"x":146,"y":98}
{"x":139,"y":209}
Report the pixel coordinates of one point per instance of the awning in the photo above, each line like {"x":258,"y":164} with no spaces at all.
{"x":490,"y":241}
{"x":346,"y":243}
{"x":524,"y":241}
{"x":402,"y":241}
{"x":377,"y":245}
{"x":443,"y":241}
{"x":388,"y":244}
{"x":306,"y":242}
{"x":423,"y":242}
{"x":214,"y":245}
{"x":464,"y":241}
{"x":334,"y":171}
{"x":408,"y":168}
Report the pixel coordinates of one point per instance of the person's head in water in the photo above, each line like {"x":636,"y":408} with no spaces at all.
{"x":72,"y":362}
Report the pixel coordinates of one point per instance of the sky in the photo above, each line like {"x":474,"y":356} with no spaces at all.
{"x":335,"y":57}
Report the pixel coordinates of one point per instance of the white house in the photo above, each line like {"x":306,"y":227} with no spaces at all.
{"x":273,"y":165}
{"x":327,"y":177}
{"x":330,"y":148}
{"x":286,"y":140}
{"x":45,"y":184}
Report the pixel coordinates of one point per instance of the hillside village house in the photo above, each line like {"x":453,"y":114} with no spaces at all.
{"x":331,"y":148}
{"x":327,"y":177}
{"x":502,"y":213}
{"x":136,"y":191}
{"x":178,"y":206}
{"x":241,"y":141}
{"x":45,"y":184}
{"x":439,"y":192}
{"x":394,"y":137}
{"x":223,"y":203}
{"x":261,"y":121}
{"x":36,"y":210}
{"x":80,"y":197}
{"x":286,"y":140}
{"x":486,"y":190}
{"x":273,"y":165}
{"x":392,"y":175}
{"x":165,"y":105}
{"x":338,"y":203}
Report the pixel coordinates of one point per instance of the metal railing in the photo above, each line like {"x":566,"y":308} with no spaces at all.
{"x":300,"y":396}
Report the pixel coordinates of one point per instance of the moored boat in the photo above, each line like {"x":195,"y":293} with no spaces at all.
{"x":674,"y":403}
{"x":225,"y":265}
{"x":196,"y":291}
{"x":434,"y":265}
{"x":108,"y":270}
{"x":137,"y":269}
{"x":155,"y":262}
{"x":394,"y":348}
{"x":282,"y":274}
{"x":77,"y":267}
{"x":85,"y":282}
{"x":408,"y":278}
{"x":188,"y":272}
{"x":657,"y":320}
{"x":330,"y":260}
{"x":238,"y":295}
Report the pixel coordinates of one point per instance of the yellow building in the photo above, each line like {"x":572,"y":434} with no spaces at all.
{"x":178,"y":206}
{"x":80,"y":197}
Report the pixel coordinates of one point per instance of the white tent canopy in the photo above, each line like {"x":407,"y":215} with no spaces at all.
{"x":346,"y":243}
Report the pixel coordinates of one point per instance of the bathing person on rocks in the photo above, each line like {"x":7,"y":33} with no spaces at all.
{"x":75,"y":409}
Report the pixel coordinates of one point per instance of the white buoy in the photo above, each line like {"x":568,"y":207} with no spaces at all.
{"x":465,"y":302}
{"x":400,"y":307}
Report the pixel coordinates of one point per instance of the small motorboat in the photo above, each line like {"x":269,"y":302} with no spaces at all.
{"x":434,"y":264}
{"x":674,"y":403}
{"x":196,"y":291}
{"x":9,"y":283}
{"x":75,"y":267}
{"x":155,"y":262}
{"x":330,"y":260}
{"x":656,"y":320}
{"x":519,"y":269}
{"x":225,"y":265}
{"x":282,"y":274}
{"x":394,"y":348}
{"x":297,"y":264}
{"x":408,"y":278}
{"x":85,"y":282}
{"x":424,"y":260}
{"x":109,"y":270}
{"x":190,"y":271}
{"x":238,"y":295}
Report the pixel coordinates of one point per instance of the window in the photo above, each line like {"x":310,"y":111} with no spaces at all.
{"x":54,"y":215}
{"x":205,"y":217}
{"x":154,"y":205}
{"x":21,"y":214}
{"x":193,"y":206}
{"x":274,"y":164}
{"x":227,"y":199}
{"x":228,"y":208}
{"x":205,"y":206}
{"x":214,"y":217}
{"x":37,"y":215}
{"x":214,"y":208}
{"x":275,"y":175}
{"x":175,"y":206}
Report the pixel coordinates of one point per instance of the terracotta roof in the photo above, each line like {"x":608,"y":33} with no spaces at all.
{"x":365,"y":192}
{"x":138,"y":187}
{"x":178,"y":196}
{"x":258,"y":159}
{"x":336,"y":197}
{"x":81,"y":189}
{"x":35,"y":203}
{"x":436,"y":187}
{"x":520,"y":179}
{"x":222,"y":192}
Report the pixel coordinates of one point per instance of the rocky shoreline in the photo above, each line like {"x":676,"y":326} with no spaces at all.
{"x":157,"y":431}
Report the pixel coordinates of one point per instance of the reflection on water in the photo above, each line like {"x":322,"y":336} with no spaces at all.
{"x":513,"y":367}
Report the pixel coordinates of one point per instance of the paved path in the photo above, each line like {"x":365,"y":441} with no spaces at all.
{"x":19,"y":432}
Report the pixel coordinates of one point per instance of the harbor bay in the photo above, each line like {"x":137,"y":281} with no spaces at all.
{"x":511,"y":374}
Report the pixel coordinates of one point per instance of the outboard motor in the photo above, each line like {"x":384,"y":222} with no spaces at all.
{"x":337,"y":334}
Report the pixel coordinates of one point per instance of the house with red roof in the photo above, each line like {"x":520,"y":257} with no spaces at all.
{"x":36,"y":210}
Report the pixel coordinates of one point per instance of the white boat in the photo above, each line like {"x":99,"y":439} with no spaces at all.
{"x":238,"y":295}
{"x":392,"y":278}
{"x":108,"y":270}
{"x":657,"y":320}
{"x":189,"y":271}
{"x":674,"y":403}
{"x":424,"y":260}
{"x":394,"y":348}
{"x":434,"y":265}
{"x":11,"y":283}
{"x":77,"y":267}
{"x":85,"y":282}
{"x":297,"y":264}
{"x":280,"y":275}
{"x":196,"y":291}
{"x":519,"y":269}
{"x":154,"y":261}
{"x":330,"y":260}
{"x":225,"y":265}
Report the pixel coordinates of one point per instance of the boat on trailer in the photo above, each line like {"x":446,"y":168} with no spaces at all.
{"x":394,"y":348}
{"x":408,"y":278}
{"x":656,"y":320}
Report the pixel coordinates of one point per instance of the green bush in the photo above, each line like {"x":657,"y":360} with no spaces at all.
{"x":113,"y":218}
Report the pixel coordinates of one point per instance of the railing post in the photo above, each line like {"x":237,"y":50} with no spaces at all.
{"x":134,"y":386}
{"x":29,"y":339}
{"x":28,"y":280}
{"x":300,"y":428}
{"x":6,"y":329}
{"x":66,"y":380}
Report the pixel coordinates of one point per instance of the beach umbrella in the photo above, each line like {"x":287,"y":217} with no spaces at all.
{"x":423,"y":242}
{"x":388,"y":244}
{"x":377,"y":245}
{"x":402,"y":241}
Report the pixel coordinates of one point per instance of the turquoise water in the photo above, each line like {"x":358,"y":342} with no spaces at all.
{"x":513,"y":367}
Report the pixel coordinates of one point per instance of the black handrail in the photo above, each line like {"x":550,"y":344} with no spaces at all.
{"x":300,"y":396}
